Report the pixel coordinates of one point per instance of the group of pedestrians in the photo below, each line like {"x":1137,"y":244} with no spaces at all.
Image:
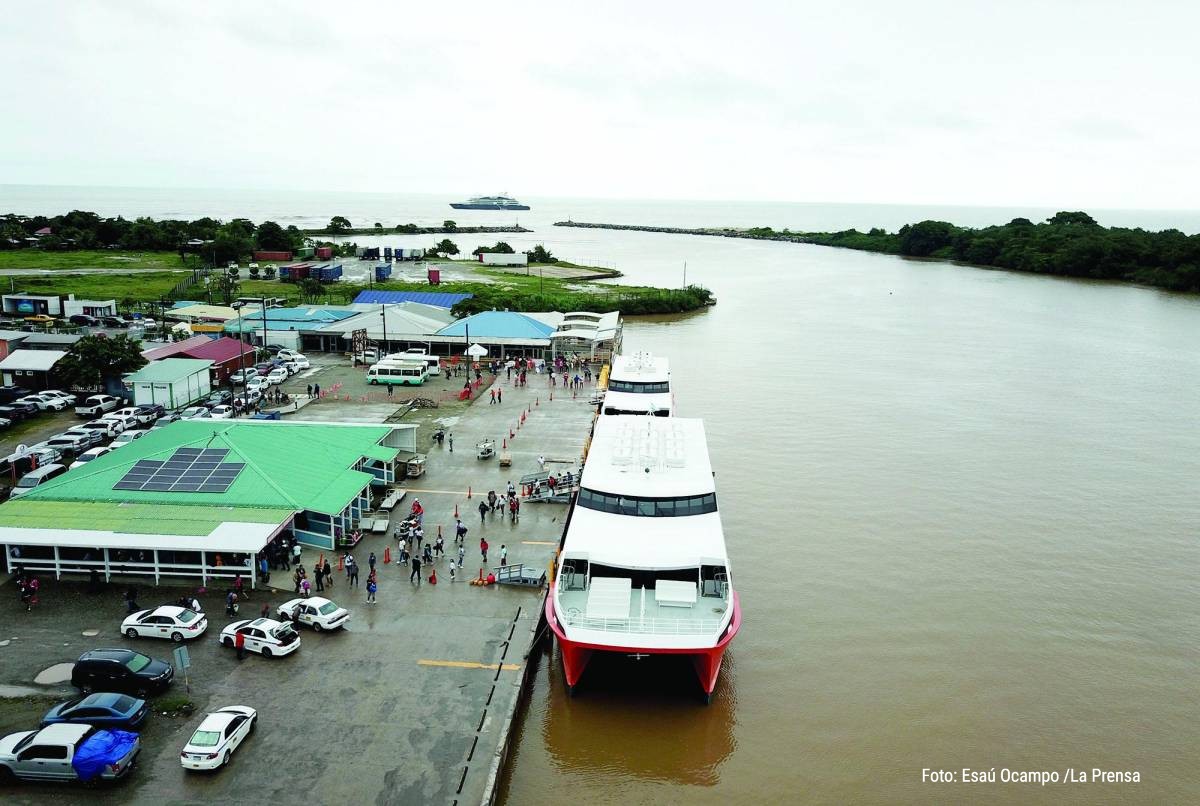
{"x":493,"y":504}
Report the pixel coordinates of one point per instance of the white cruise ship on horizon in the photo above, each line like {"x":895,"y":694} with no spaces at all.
{"x":643,"y":568}
{"x":639,"y":384}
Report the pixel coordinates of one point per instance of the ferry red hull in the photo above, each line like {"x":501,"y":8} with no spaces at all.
{"x":707,"y":662}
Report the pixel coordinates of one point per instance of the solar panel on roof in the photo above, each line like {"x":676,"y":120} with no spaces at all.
{"x":187,"y":470}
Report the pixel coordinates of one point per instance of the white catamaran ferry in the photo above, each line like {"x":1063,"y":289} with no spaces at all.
{"x":639,"y":384}
{"x":643,"y":568}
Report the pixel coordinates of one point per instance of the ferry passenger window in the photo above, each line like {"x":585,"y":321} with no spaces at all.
{"x":646,"y":508}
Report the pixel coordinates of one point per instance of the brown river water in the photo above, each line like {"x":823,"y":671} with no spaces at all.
{"x":962,"y":510}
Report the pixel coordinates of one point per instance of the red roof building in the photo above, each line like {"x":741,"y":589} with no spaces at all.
{"x":223,"y":352}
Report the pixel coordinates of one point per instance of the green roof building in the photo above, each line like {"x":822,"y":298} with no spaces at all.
{"x":173,"y":501}
{"x":171,"y":382}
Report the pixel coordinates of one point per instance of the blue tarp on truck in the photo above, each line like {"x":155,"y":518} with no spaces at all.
{"x":102,"y":748}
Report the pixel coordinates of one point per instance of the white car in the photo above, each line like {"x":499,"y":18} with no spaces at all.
{"x":300,"y":361}
{"x":96,"y":405}
{"x":315,"y":611}
{"x":93,"y":437}
{"x":221,"y":412}
{"x":218,"y":736}
{"x":287,"y":355}
{"x":88,"y":455}
{"x":145,"y":321}
{"x":257,"y":384}
{"x":267,"y":637}
{"x":143,"y":416}
{"x":66,"y":397}
{"x":44,"y":402}
{"x":48,"y":754}
{"x":177,"y":623}
{"x":243,"y":376}
{"x":195,"y":413}
{"x":128,"y":436}
{"x":125,"y":421}
{"x":106,"y":427}
{"x":277,"y":376}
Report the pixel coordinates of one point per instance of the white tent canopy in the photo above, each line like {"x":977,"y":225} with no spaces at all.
{"x":476,"y":351}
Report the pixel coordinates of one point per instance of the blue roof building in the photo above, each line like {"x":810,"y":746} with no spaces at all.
{"x":306,"y":318}
{"x":498,"y":325}
{"x":442,"y":299}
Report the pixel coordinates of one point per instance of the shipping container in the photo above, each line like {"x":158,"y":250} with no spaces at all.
{"x":387,"y":253}
{"x":435,"y":276}
{"x":305,"y":253}
{"x":294,"y":271}
{"x":268,"y":255}
{"x":503,"y":259}
{"x":382,"y":272}
{"x":324,"y":252}
{"x":328,"y":273}
{"x":369,"y":253}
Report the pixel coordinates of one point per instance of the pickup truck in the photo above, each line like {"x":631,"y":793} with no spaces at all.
{"x":68,"y":752}
{"x":96,"y":405}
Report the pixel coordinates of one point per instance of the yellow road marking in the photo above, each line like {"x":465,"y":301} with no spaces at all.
{"x":464,"y":664}
{"x":540,"y":542}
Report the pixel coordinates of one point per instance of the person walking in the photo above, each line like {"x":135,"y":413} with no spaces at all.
{"x":416,"y":570}
{"x":439,"y":547}
{"x":541,"y":460}
{"x":316,"y":390}
{"x":131,"y":599}
{"x":230,"y":603}
{"x":372,"y":587}
{"x":239,"y":641}
{"x":483,"y":509}
{"x":483,"y":547}
{"x":296,"y":549}
{"x":452,"y":578}
{"x":462,"y":555}
{"x":513,"y":508}
{"x":450,"y":439}
{"x":319,"y":572}
{"x":296,"y":579}
{"x":308,"y":390}
{"x":503,"y":555}
{"x":371,"y":562}
{"x":349,"y":563}
{"x":511,"y":489}
{"x":328,"y":569}
{"x":499,"y":395}
{"x":492,"y":402}
{"x":305,"y":587}
{"x":354,"y":575}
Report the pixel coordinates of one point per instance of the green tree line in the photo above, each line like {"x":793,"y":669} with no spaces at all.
{"x":80,"y":229}
{"x":1069,"y":244}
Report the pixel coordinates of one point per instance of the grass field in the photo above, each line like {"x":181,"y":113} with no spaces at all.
{"x":143,"y":286}
{"x":93,"y":259}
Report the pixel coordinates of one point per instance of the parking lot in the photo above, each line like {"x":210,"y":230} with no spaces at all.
{"x":409,"y":704}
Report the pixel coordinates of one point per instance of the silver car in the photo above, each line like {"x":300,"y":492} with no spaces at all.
{"x":47,"y":754}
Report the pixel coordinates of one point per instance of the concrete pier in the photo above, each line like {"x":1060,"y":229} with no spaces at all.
{"x":413,"y":702}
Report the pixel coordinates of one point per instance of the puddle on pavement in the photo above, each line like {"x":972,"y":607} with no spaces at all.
{"x":18,"y":691}
{"x":58,"y":673}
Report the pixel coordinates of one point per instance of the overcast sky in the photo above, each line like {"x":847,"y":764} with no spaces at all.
{"x":1053,"y":103}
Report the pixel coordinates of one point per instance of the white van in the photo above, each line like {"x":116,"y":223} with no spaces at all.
{"x":34,"y":478}
{"x":403,"y":373}
{"x":432,"y":363}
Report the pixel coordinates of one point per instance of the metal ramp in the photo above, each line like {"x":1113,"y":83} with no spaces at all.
{"x":539,"y":490}
{"x":518,"y":574}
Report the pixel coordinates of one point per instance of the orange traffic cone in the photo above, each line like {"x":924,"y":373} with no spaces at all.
{"x":433,"y":577}
{"x":504,"y":444}
{"x":387,"y":555}
{"x":468,"y":492}
{"x":342,"y":563}
{"x":537,"y":402}
{"x":456,"y":510}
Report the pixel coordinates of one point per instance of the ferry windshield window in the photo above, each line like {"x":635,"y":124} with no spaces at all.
{"x":640,"y":387}
{"x":648,"y":507}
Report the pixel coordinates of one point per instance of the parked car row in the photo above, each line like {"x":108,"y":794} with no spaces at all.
{"x":21,"y":404}
{"x":90,"y":736}
{"x":285,"y":364}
